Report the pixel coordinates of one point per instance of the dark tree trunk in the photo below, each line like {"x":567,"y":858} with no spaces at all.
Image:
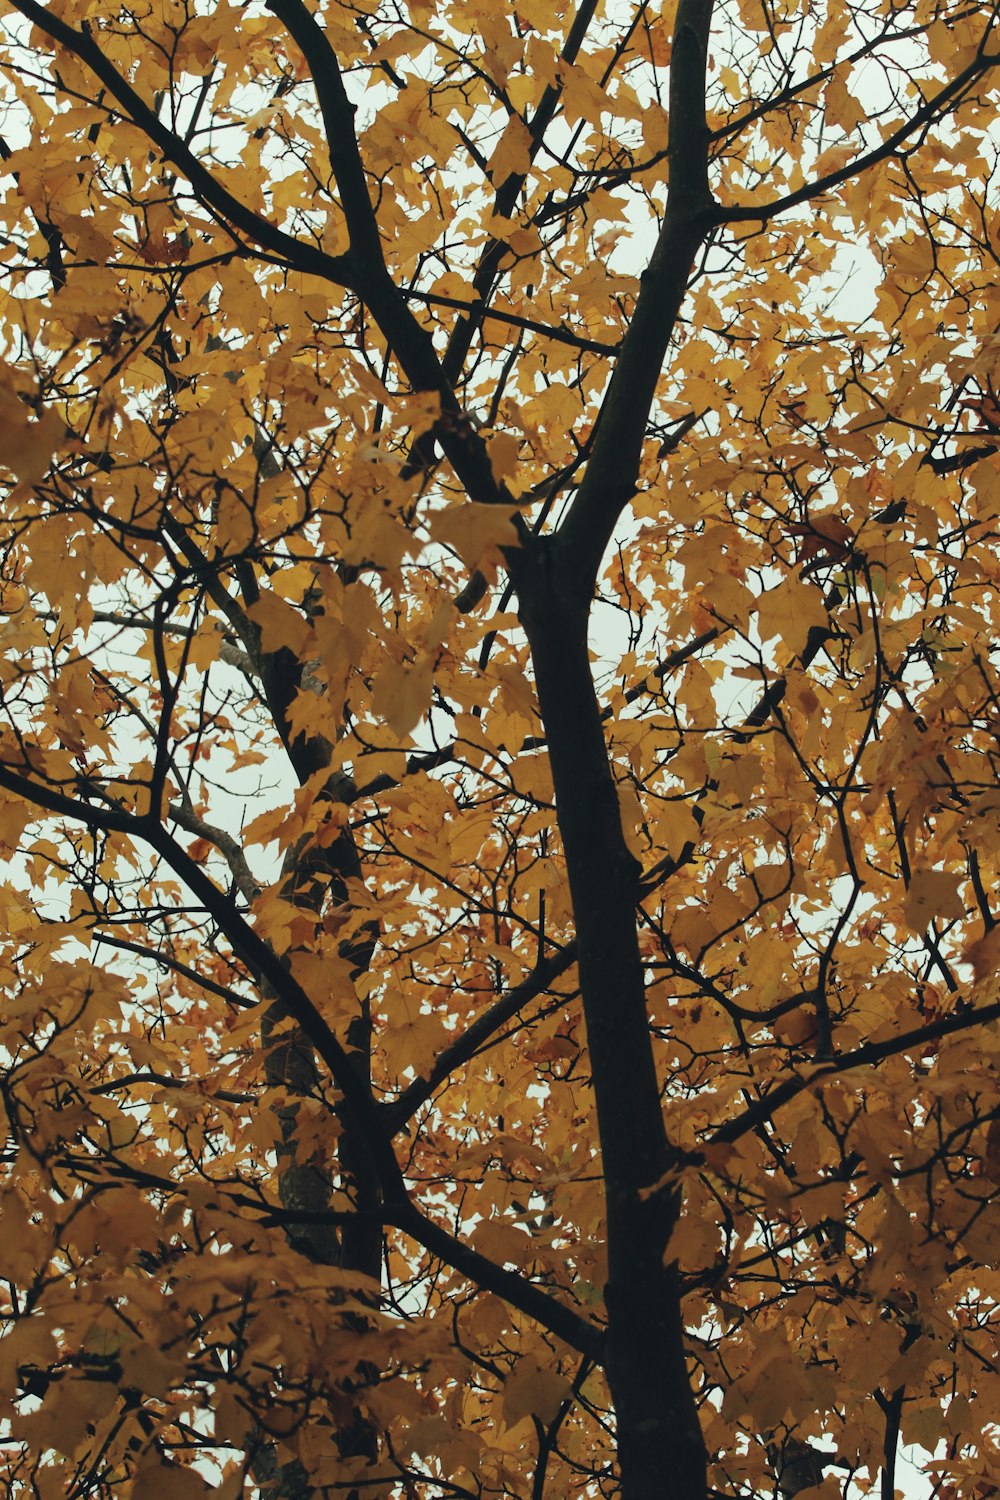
{"x":659,"y":1438}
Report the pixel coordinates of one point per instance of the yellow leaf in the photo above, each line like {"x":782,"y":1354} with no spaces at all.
{"x":70,"y":1413}
{"x":791,"y":611}
{"x":474,"y":530}
{"x":281,"y":626}
{"x":150,"y":1369}
{"x":265,"y":827}
{"x":402,"y":693}
{"x":984,"y":954}
{"x":633,"y":820}
{"x":27,"y":445}
{"x":932,"y":896}
{"x":530,"y":1390}
{"x":170,"y":1482}
{"x":512,"y":156}
{"x":504,"y":1243}
{"x":326,"y":979}
{"x":235,"y":522}
{"x":420,"y":412}
{"x":657,"y":43}
{"x":503,"y":449}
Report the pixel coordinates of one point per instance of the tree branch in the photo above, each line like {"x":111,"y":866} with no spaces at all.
{"x":892,"y":1409}
{"x":167,"y":961}
{"x":403,"y":1108}
{"x":409,"y":341}
{"x":231,"y":851}
{"x":510,"y":1285}
{"x":164,"y":1081}
{"x":81,"y":43}
{"x":609,"y":482}
{"x":862,"y":1057}
{"x":934,"y":108}
{"x":481,"y":311}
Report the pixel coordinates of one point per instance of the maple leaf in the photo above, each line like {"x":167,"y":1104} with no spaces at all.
{"x":791,"y":611}
{"x":474,"y":531}
{"x":933,"y":895}
{"x":27,"y":444}
{"x":532,"y":1390}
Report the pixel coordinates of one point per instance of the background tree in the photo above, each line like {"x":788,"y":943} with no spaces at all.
{"x":499,"y":749}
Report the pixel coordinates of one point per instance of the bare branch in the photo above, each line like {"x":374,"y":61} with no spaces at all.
{"x":231,"y":851}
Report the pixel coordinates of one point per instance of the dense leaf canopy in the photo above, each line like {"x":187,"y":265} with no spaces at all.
{"x":499,"y":614}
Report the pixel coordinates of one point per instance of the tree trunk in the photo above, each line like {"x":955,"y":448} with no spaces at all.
{"x":315,"y":877}
{"x":659,"y":1438}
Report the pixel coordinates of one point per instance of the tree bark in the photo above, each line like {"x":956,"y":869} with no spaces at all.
{"x":659,"y":1437}
{"x":312,"y":878}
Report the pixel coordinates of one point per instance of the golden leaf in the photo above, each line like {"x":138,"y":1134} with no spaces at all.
{"x":532,"y":1390}
{"x":791,"y":611}
{"x":474,"y":531}
{"x":932,"y":896}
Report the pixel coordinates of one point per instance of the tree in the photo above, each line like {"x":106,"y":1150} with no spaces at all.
{"x":499,"y":748}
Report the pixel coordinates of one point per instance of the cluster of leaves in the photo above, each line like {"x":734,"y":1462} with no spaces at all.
{"x":308,"y":323}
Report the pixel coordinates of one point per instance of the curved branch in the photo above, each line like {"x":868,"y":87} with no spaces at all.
{"x":303,"y":256}
{"x":510,"y":1285}
{"x":934,"y":108}
{"x":231,"y":851}
{"x":609,"y":482}
{"x":164,"y":1081}
{"x":167,"y":961}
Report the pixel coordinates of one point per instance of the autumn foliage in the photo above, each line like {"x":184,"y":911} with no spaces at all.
{"x":499,"y":742}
